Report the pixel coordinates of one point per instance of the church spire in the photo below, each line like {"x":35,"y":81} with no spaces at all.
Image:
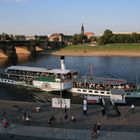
{"x":82,"y":29}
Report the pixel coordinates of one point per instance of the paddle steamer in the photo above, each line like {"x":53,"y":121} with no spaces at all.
{"x":39,"y":78}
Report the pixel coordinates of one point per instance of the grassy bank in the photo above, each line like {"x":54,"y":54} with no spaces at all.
{"x":124,"y":47}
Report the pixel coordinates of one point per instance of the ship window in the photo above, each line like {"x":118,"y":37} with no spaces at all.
{"x":108,"y":92}
{"x":102,"y":92}
{"x":84,"y":90}
{"x":90,"y":90}
{"x":78,"y":90}
{"x":96,"y":91}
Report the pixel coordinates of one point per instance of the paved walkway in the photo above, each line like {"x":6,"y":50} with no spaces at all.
{"x":66,"y":134}
{"x":125,"y":127}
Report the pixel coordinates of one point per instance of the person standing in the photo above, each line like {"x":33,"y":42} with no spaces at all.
{"x":103,"y":111}
{"x":132,"y":107}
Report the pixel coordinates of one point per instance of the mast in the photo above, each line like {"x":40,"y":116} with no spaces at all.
{"x":91,"y":70}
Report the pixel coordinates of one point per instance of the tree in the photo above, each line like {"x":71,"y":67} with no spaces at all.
{"x":114,"y":38}
{"x":102,"y":40}
{"x":106,"y":38}
{"x":92,"y":39}
{"x":75,"y":39}
{"x":107,"y":35}
{"x":79,"y":39}
{"x":20,"y":37}
{"x":5,"y":37}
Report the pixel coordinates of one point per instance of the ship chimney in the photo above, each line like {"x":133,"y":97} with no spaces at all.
{"x":62,"y":63}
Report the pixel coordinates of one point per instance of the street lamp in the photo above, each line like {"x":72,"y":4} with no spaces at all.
{"x":62,"y":69}
{"x":60,"y":98}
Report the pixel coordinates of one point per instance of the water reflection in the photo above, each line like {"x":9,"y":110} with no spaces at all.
{"x":5,"y":62}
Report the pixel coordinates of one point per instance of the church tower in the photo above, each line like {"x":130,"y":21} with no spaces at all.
{"x":82,"y":29}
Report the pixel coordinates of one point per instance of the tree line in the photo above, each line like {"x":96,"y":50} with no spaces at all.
{"x":11,"y":37}
{"x":109,"y":37}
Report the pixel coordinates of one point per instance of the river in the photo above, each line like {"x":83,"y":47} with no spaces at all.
{"x":116,"y":67}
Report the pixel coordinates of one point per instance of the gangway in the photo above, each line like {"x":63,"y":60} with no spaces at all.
{"x":110,"y":109}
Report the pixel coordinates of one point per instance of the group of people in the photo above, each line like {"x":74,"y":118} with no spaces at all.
{"x":36,"y":108}
{"x":52,"y":119}
{"x":98,"y":86}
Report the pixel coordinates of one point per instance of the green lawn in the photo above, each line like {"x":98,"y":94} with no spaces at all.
{"x":133,"y":47}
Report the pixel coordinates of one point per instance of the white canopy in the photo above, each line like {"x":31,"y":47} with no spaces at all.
{"x":38,"y":69}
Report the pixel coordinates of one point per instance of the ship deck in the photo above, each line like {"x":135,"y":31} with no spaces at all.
{"x":101,"y":80}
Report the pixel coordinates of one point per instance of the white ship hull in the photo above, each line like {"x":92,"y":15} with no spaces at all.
{"x":43,"y":86}
{"x":90,"y":92}
{"x":52,"y":86}
{"x":116,"y":98}
{"x":13,"y":82}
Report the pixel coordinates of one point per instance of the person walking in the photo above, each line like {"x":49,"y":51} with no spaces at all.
{"x":4,"y":115}
{"x":98,"y":127}
{"x":5,"y":123}
{"x":24,"y":116}
{"x":73,"y":118}
{"x":94,"y":131}
{"x":28,"y":119}
{"x":51,"y":121}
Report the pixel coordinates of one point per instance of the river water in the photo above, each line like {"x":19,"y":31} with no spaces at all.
{"x":115,"y":67}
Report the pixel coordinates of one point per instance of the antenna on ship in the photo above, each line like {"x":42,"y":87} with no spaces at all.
{"x":62,"y":59}
{"x":91,"y":70}
{"x":137,"y":84}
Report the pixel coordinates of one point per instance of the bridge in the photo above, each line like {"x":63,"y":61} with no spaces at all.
{"x":12,"y":49}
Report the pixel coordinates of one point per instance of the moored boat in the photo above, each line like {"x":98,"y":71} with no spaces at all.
{"x":117,"y":90}
{"x":40,"y":78}
{"x":133,"y":97}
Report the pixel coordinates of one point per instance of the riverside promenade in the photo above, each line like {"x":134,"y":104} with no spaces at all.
{"x":126,"y":127}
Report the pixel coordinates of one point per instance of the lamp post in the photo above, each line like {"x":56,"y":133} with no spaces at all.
{"x":61,"y":98}
{"x":62,"y":60}
{"x":85,"y":105}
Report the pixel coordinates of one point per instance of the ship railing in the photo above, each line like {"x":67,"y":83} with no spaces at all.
{"x":84,"y":86}
{"x":22,"y":75}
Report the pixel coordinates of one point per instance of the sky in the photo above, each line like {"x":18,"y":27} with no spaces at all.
{"x":44,"y":17}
